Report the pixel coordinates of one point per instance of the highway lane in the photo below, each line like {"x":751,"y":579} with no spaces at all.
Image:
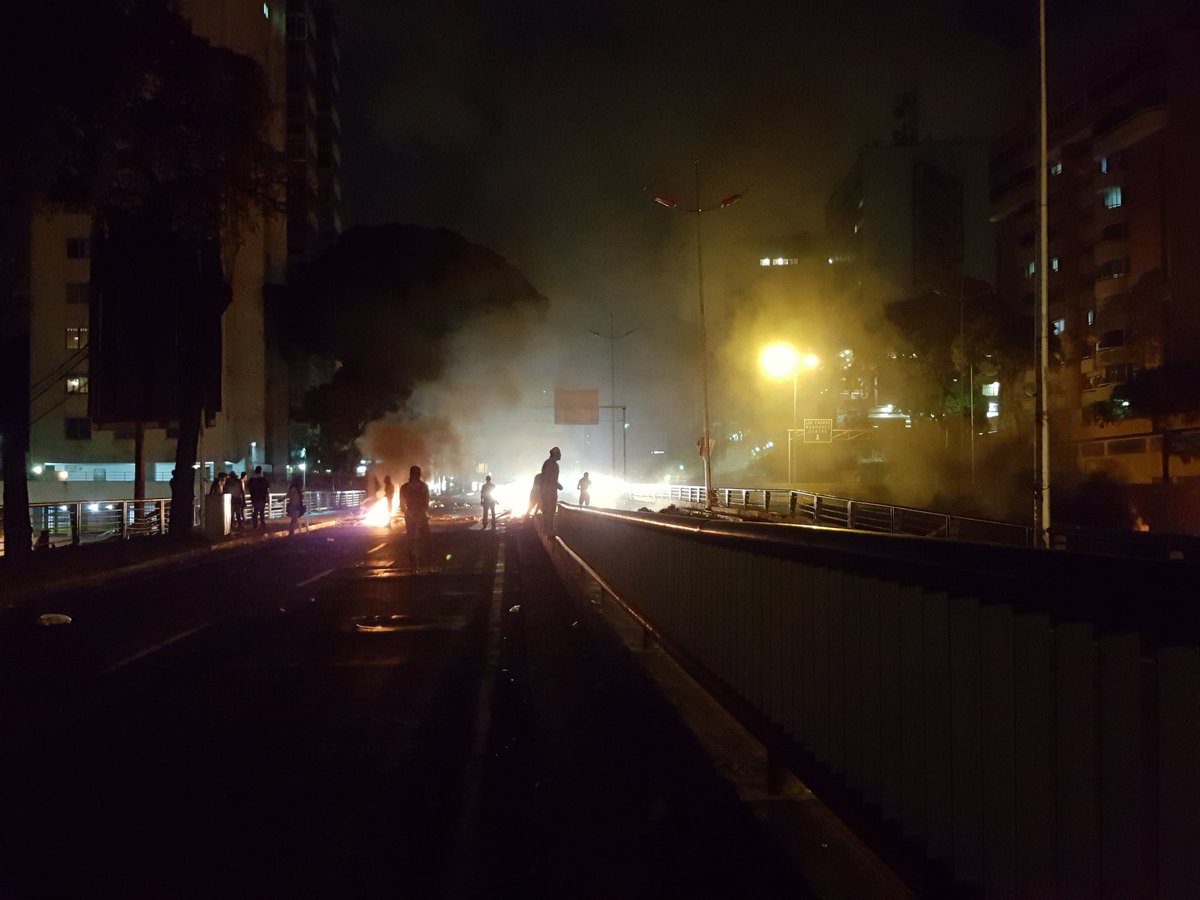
{"x":260,"y":725}
{"x":230,"y":728}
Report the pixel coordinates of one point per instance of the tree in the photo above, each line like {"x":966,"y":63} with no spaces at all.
{"x":124,"y":110}
{"x":400,"y":293}
{"x":943,"y":334}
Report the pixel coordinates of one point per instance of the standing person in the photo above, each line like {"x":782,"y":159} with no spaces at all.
{"x":585,"y":499}
{"x":487,"y":499}
{"x":218,"y":485}
{"x":295,"y":505}
{"x":260,"y":492}
{"x":414,"y":504}
{"x":236,"y":490}
{"x":550,"y":488}
{"x":535,"y":496}
{"x":389,"y":493}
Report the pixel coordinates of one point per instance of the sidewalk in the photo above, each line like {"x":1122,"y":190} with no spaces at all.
{"x":69,"y":567}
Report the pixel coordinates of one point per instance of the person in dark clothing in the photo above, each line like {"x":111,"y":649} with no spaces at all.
{"x":237,"y":498}
{"x":389,"y":494}
{"x":550,"y":488}
{"x":585,"y":499}
{"x":487,"y":498}
{"x":259,"y":491}
{"x":535,"y":496}
{"x":414,"y":504}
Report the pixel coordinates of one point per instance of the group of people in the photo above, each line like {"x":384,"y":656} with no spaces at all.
{"x":241,"y":488}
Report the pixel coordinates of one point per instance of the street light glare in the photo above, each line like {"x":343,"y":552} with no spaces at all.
{"x":779,"y":359}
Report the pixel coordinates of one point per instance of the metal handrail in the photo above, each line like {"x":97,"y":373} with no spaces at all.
{"x":81,"y":521}
{"x":842,"y":512}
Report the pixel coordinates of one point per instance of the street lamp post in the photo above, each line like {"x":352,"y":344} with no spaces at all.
{"x":778,"y":360}
{"x":612,"y":337}
{"x":705,"y":439}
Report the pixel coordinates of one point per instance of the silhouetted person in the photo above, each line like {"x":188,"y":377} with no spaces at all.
{"x":535,"y":496}
{"x":585,"y":499}
{"x":414,"y":503}
{"x":389,"y":494}
{"x":218,"y":485}
{"x":260,"y":492}
{"x":295,"y":505}
{"x":550,"y":488}
{"x":237,"y":498}
{"x":487,"y":499}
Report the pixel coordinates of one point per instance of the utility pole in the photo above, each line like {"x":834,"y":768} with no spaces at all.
{"x":612,"y":337}
{"x":1042,"y":442}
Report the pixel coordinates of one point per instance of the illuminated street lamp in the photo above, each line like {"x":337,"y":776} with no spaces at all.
{"x":705,"y":440}
{"x":778,"y":360}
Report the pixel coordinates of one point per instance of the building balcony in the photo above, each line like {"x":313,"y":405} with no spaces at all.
{"x":1115,"y":248}
{"x":1110,"y":286}
{"x":1128,"y":131}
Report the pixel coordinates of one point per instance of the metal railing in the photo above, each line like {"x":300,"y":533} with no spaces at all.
{"x":1025,"y":719}
{"x":84,"y":521}
{"x":841,"y":512}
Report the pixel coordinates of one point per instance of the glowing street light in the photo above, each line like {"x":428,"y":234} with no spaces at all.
{"x":778,"y":360}
{"x":706,"y":439}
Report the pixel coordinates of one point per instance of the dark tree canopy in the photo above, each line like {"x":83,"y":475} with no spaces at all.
{"x":945,"y":334}
{"x":124,"y":112}
{"x":384,"y":302}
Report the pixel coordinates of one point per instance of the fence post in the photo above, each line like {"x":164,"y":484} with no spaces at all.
{"x":792,"y":498}
{"x":849,"y":513}
{"x":162,"y":516}
{"x":124,"y":519}
{"x":76,"y":514}
{"x":767,"y":500}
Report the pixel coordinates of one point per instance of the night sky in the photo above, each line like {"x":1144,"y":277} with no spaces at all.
{"x":532,"y":128}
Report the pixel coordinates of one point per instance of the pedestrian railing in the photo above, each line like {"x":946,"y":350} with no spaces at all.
{"x":83,"y":521}
{"x":1026,"y":719}
{"x":841,"y":512}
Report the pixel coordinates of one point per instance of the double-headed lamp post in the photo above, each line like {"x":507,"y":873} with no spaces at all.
{"x":706,"y":439}
{"x":778,"y":360}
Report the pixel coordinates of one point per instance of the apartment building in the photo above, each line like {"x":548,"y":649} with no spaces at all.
{"x":73,"y":457}
{"x":1124,"y":274}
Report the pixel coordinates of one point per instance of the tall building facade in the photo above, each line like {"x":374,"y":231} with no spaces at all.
{"x":70,"y":456}
{"x":910,"y":217}
{"x":1124,"y":279}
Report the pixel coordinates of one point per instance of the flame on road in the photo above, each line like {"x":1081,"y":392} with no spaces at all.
{"x":376,"y":515}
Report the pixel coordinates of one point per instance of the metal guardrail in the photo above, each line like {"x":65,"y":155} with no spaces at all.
{"x":841,"y":512}
{"x":1025,"y":719}
{"x":83,"y":521}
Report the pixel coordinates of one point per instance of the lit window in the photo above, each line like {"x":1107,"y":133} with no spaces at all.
{"x":1104,"y":165}
{"x":266,"y":11}
{"x":1112,"y":197}
{"x":993,"y":409}
{"x":1056,"y":169}
{"x":765,"y":261}
{"x":1091,"y":317}
{"x":1054,"y":264}
{"x":1058,"y":326}
{"x":779,"y":261}
{"x":77,"y":248}
{"x":1030,"y":269}
{"x":856,"y":227}
{"x":77,"y":384}
{"x":76,"y":338}
{"x":991,"y":389}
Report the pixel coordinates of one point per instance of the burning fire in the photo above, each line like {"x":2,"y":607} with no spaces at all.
{"x":376,"y":515}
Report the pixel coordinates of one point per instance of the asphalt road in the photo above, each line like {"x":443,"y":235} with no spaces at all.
{"x":305,"y":718}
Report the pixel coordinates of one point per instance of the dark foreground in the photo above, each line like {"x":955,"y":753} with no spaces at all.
{"x":305,"y":718}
